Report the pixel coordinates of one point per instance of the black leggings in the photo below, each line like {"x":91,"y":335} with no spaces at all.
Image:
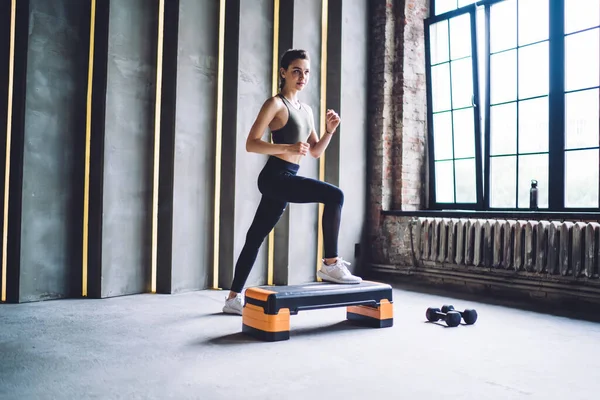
{"x":279,"y":186}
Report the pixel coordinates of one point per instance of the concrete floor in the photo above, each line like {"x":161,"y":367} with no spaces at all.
{"x":182,"y":347}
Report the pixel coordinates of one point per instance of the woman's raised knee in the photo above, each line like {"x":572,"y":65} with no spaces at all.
{"x":337,"y":196}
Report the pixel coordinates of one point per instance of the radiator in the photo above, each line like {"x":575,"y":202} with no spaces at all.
{"x":543,"y":247}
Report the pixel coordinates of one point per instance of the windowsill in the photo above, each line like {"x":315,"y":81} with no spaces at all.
{"x":533,"y":215}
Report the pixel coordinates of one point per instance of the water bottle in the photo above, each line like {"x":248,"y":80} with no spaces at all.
{"x":533,"y":195}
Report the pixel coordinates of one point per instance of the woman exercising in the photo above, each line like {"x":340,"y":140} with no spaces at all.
{"x":292,"y":127}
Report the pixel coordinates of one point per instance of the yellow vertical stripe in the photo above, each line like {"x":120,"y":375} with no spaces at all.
{"x":271,"y":243}
{"x":159,"y":70}
{"x":218,"y":133}
{"x":324,"y":16}
{"x":88,"y":136}
{"x":11,"y":64}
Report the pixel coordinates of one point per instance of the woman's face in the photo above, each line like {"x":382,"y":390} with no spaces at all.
{"x":296,"y":75}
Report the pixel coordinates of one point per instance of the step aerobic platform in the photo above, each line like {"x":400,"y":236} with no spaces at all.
{"x":267,"y":309}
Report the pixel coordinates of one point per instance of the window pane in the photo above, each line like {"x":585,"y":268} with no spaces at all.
{"x":442,"y":136}
{"x":462,"y":3}
{"x":581,"y":120}
{"x":581,"y":14}
{"x":440,"y":80}
{"x":503,"y":26}
{"x":533,"y":70}
{"x":533,"y":21}
{"x":444,"y":181}
{"x":503,"y":72}
{"x":438,"y":42}
{"x":503,"y":129}
{"x":503,"y":185}
{"x":464,"y":133}
{"x":442,"y":6}
{"x":533,"y":125}
{"x":581,"y":178}
{"x":460,"y":36}
{"x":533,"y":167}
{"x":462,"y":83}
{"x":581,"y":60}
{"x":466,"y":177}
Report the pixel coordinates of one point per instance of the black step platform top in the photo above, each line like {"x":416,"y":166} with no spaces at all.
{"x":317,"y":295}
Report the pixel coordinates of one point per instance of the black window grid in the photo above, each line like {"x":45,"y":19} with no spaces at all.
{"x":556,"y":110}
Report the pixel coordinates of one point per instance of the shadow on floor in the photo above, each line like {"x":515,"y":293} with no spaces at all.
{"x":327,"y":329}
{"x":218,"y":314}
{"x":242,"y":338}
{"x":442,"y":324}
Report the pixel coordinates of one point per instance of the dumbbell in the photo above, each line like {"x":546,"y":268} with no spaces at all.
{"x":452,"y":318}
{"x":469,"y":315}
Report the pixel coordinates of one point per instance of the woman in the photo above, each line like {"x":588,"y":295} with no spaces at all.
{"x":293,"y":133}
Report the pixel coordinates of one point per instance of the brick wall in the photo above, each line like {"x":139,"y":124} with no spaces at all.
{"x":413,"y":178}
{"x":397,"y":115}
{"x":398,"y":180}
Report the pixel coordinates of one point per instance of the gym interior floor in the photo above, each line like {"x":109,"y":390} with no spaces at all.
{"x":182,"y":347}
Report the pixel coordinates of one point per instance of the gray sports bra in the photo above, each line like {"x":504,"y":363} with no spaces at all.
{"x":298,"y":127}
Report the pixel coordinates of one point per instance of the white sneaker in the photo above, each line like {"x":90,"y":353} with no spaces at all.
{"x":337,"y":272}
{"x":233,"y":306}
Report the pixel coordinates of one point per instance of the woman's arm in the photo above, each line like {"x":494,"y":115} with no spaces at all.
{"x":254,"y":142}
{"x":318,"y":146}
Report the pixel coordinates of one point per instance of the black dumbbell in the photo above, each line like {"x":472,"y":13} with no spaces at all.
{"x":452,"y":318}
{"x":469,"y":315}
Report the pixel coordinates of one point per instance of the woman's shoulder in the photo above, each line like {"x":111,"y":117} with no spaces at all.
{"x":273,"y":101}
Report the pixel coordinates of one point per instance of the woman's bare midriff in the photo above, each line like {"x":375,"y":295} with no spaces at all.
{"x":291,"y":158}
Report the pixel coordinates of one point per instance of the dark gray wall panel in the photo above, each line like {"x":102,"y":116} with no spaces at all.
{"x":254,"y":87}
{"x":52,"y":163}
{"x":5,"y":8}
{"x":229,"y":135}
{"x":16,"y":152}
{"x":168,"y":111}
{"x":128,"y":148}
{"x":303,"y":230}
{"x":281,"y":252}
{"x":353,"y":129}
{"x":334,"y":87}
{"x":193,"y":196}
{"x":246,"y":86}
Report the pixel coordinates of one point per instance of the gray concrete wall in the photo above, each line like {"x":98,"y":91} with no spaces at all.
{"x":353,"y":128}
{"x":128,"y":148}
{"x":345,"y":158}
{"x":47,"y":200}
{"x":193,"y":185}
{"x":303,"y":225}
{"x":247,"y":84}
{"x":52,"y":165}
{"x":254,"y":87}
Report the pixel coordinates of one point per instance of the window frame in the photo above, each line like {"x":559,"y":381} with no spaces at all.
{"x":556,"y":111}
{"x":433,"y":204}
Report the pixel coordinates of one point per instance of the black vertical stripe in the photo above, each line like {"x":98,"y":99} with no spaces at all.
{"x":97,"y":147}
{"x":167,"y":147}
{"x":16,"y":152}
